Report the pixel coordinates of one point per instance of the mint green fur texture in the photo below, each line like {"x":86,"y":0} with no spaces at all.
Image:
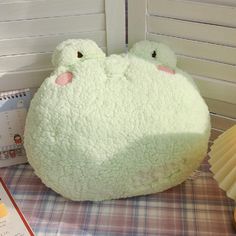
{"x":121,"y":128}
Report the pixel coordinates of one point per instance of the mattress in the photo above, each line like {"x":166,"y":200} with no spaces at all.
{"x":196,"y":207}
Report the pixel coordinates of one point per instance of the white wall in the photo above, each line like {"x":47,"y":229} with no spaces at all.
{"x":30,"y":31}
{"x":203,"y":34}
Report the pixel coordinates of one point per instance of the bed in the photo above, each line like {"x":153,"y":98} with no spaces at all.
{"x":196,"y":207}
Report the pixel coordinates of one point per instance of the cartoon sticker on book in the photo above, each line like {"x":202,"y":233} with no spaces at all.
{"x":12,"y":153}
{"x":17,"y":139}
{"x":5,"y":155}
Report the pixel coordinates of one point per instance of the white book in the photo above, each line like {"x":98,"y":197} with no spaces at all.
{"x":13,"y":223}
{"x":13,"y":110}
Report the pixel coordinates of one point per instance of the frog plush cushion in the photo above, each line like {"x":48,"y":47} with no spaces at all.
{"x":113,"y":127}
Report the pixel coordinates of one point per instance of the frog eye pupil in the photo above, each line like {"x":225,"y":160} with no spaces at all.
{"x":79,"y":54}
{"x":154,"y":54}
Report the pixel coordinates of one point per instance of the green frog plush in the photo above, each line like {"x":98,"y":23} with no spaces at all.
{"x":114,"y":127}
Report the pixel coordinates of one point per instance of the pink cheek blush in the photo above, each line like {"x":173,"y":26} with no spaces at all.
{"x":166,"y":69}
{"x":64,"y":78}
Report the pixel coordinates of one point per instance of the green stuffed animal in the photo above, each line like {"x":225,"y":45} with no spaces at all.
{"x":113,"y":127}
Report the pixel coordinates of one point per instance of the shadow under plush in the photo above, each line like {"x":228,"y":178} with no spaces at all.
{"x":113,"y":127}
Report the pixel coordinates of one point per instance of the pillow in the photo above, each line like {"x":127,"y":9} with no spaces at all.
{"x":113,"y":127}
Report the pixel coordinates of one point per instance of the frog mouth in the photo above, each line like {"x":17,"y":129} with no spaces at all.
{"x":166,"y":69}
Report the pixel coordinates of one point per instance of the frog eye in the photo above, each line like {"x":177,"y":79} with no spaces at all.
{"x":79,"y":54}
{"x":154,"y":54}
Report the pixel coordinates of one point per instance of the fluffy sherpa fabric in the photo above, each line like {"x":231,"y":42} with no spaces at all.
{"x":115,"y":126}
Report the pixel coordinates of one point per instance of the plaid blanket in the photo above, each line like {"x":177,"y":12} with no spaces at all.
{"x":196,"y":207}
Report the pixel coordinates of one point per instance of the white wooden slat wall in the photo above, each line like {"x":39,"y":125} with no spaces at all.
{"x":203,"y":34}
{"x":30,"y":31}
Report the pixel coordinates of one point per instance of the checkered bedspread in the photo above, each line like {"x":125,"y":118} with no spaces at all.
{"x":196,"y":207}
